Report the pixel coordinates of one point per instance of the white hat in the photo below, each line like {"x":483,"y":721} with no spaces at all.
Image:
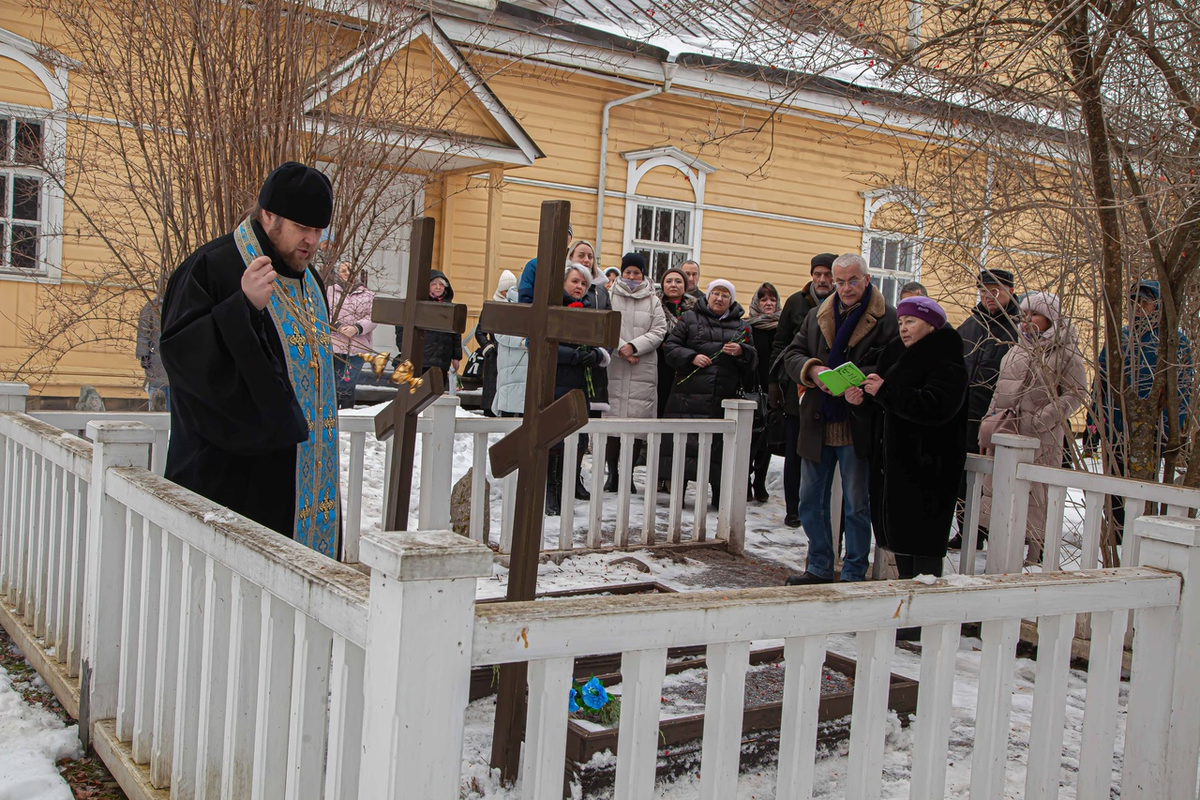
{"x":724,"y":284}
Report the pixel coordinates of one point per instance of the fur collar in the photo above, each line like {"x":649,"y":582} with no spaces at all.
{"x":876,"y":308}
{"x":937,"y":347}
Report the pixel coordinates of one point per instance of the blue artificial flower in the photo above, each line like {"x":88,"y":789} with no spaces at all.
{"x":595,"y":696}
{"x":572,"y":706}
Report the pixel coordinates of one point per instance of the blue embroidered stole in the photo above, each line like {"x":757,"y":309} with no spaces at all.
{"x":301,"y":319}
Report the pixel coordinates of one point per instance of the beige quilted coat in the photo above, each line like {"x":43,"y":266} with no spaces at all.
{"x":633,"y":388}
{"x":1043,"y":380}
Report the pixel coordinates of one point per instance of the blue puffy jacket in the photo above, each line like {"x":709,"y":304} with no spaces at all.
{"x":1140,"y":367}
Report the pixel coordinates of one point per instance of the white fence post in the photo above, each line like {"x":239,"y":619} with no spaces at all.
{"x":116,"y":444}
{"x":437,"y":466}
{"x":13,"y":396}
{"x":418,"y":661}
{"x":1010,"y":504}
{"x":1169,"y":543}
{"x":735,"y":474}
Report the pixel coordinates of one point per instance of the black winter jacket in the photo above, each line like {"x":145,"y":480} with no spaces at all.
{"x":441,"y":347}
{"x":790,"y":319}
{"x":919,"y":443}
{"x":986,"y":339}
{"x":698,"y":393}
{"x":579,"y":366}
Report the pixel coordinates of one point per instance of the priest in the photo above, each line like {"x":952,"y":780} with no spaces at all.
{"x":245,"y":343}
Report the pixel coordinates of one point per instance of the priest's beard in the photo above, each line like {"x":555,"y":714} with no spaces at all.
{"x":290,"y":246}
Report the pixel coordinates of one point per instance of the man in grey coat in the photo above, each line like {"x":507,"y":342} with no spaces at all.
{"x":853,"y":325}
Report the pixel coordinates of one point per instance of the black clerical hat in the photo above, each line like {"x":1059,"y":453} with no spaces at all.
{"x":299,"y":193}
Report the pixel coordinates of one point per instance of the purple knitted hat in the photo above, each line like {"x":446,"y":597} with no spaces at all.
{"x":923,"y":309}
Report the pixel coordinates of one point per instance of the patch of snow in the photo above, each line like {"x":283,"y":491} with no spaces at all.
{"x":32,"y":740}
{"x":768,"y":539}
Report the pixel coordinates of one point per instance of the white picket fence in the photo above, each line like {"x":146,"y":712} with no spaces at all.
{"x":1013,"y":477}
{"x":207,"y":654}
{"x":618,"y":520}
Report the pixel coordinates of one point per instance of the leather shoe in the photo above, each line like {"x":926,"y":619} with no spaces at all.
{"x":792,"y":520}
{"x":807,"y":579}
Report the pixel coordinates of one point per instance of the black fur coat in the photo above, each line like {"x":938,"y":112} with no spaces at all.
{"x":919,"y":446}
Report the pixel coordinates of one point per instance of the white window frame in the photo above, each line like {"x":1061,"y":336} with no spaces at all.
{"x":872,"y":202}
{"x":641,"y":162}
{"x":54,"y":136}
{"x":678,"y":253}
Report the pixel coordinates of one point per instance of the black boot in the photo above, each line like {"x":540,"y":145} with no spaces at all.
{"x":581,"y":492}
{"x":760,"y":488}
{"x":612,"y":463}
{"x":554,"y":478}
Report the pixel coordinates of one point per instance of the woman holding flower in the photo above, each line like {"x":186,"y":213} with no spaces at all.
{"x":672,"y":293}
{"x":713,"y":355}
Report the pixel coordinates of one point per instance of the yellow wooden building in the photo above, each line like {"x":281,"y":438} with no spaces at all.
{"x":663,"y":142}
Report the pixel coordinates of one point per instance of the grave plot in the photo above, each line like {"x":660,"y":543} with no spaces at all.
{"x":682,"y":715}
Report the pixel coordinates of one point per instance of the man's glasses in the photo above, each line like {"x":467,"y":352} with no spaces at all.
{"x":852,"y":283}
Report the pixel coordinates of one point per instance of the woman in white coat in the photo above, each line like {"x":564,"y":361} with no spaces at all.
{"x":512,"y":364}
{"x":633,"y":373}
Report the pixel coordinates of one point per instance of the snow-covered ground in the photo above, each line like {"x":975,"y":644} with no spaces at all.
{"x":32,"y":740}
{"x":768,"y":539}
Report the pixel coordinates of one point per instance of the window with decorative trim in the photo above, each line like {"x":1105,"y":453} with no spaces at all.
{"x":21,"y":193}
{"x":893,"y":231}
{"x":32,"y":165}
{"x":663,"y":236}
{"x":666,"y":232}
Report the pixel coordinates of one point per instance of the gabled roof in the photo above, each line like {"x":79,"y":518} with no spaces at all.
{"x":520,"y":149}
{"x":735,"y":48}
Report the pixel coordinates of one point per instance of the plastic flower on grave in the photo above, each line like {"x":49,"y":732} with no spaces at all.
{"x":595,"y":696}
{"x":572,"y":706}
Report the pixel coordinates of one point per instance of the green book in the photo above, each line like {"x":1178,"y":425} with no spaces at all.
{"x":842,"y":378}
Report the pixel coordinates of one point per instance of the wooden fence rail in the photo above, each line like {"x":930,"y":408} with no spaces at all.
{"x":444,"y":432}
{"x":209,"y":656}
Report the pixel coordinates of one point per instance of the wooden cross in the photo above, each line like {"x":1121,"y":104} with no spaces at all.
{"x":414,"y":315}
{"x":545,"y":423}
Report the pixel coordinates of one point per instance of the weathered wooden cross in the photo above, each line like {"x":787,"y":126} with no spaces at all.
{"x":415,"y":315}
{"x":546,"y":422}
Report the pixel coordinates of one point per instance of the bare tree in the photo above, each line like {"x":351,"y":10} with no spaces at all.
{"x":179,"y":110}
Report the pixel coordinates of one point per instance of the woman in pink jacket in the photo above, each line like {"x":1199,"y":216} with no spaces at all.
{"x":350,"y":311}
{"x":1042,"y":383}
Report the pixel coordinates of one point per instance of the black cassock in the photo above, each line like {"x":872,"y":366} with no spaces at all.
{"x":235,"y":420}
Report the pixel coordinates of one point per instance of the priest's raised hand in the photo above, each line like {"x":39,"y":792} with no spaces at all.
{"x":258,"y":282}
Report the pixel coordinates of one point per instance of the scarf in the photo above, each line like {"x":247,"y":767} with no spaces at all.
{"x":836,"y":409}
{"x":673,"y":307}
{"x":759,"y":320}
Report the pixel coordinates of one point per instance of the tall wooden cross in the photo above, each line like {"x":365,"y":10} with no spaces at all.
{"x":415,"y":315}
{"x":545,"y":423}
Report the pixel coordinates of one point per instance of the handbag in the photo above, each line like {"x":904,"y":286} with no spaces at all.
{"x":471,"y":376}
{"x":1002,"y":422}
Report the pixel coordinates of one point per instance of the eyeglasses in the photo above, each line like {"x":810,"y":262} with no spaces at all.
{"x":852,"y":283}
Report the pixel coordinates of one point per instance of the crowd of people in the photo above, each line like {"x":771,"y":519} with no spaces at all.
{"x":931,"y":393}
{"x":891,"y":398}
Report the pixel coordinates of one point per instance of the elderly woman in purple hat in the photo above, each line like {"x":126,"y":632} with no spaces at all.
{"x":919,"y":415}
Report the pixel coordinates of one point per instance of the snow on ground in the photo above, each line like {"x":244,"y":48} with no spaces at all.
{"x":32,"y":740}
{"x":481,"y":783}
{"x":768,"y":539}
